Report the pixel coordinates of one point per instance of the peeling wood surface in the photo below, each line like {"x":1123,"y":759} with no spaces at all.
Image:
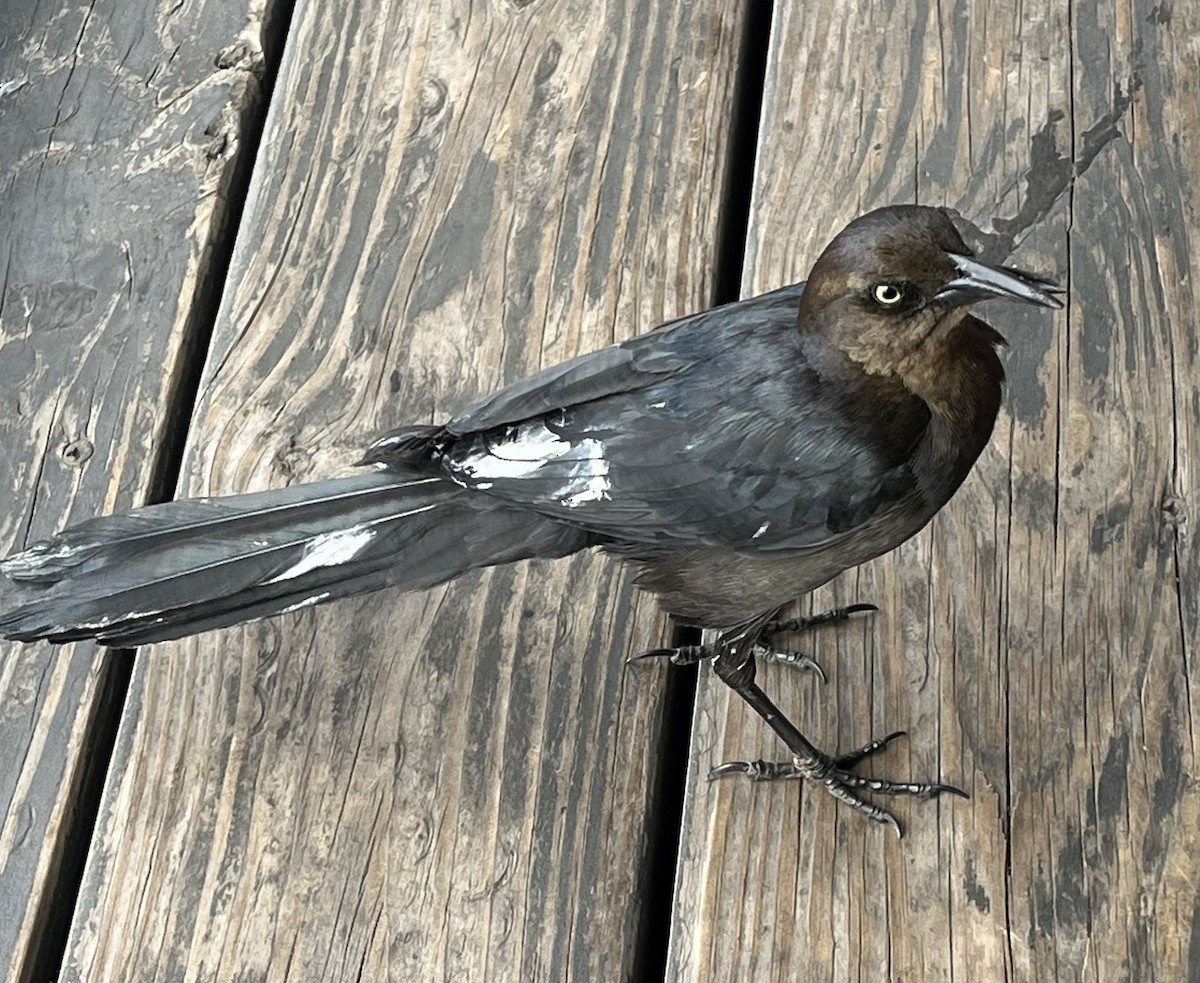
{"x":1038,"y":641}
{"x":119,"y":133}
{"x":456,"y":784}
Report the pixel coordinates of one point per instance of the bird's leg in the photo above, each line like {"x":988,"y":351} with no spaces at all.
{"x":734,"y":665}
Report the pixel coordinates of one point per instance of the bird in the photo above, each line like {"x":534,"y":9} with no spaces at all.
{"x":736,"y":458}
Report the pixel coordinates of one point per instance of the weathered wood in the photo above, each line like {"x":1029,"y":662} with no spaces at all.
{"x":1038,"y":641}
{"x":456,"y":784}
{"x":121,"y":126}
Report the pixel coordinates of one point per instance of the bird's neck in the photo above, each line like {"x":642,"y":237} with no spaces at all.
{"x":954,"y":369}
{"x":960,"y":374}
{"x":960,"y":380}
{"x":955,"y":372}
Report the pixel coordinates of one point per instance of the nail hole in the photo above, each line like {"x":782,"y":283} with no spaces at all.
{"x":78,"y":452}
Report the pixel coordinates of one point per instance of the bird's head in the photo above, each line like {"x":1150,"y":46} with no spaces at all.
{"x":893,"y":287}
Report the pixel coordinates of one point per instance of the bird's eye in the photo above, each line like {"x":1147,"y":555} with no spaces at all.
{"x":887,"y":294}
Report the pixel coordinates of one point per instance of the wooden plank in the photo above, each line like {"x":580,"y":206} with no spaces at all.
{"x":454,"y":784}
{"x":1038,"y":641}
{"x":122,"y":126}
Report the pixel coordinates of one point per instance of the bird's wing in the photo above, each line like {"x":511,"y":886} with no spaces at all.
{"x":621,"y":368}
{"x":735,"y":443}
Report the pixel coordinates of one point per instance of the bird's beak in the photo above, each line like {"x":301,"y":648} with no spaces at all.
{"x":977,"y":281}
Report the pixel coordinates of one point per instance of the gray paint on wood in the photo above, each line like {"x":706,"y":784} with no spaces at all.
{"x":454,"y":250}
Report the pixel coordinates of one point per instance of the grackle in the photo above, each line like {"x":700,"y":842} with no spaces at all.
{"x":738,"y":458}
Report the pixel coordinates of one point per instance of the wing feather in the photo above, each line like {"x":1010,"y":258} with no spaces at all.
{"x":711,"y":431}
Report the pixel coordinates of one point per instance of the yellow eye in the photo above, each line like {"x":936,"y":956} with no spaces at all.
{"x":887,"y":294}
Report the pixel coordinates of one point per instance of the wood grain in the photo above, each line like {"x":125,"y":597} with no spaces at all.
{"x":1038,"y":641}
{"x":122,"y":126}
{"x":456,"y":784}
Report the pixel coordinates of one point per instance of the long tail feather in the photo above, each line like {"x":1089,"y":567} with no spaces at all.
{"x":175,"y":569}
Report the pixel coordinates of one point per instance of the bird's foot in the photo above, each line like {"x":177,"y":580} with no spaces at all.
{"x":832,"y":617}
{"x":833,"y":772}
{"x":690,"y":655}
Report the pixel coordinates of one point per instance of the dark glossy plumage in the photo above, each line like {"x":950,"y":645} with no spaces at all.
{"x":740,"y":457}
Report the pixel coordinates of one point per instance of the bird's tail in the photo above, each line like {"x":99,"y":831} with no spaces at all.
{"x":183,"y":567}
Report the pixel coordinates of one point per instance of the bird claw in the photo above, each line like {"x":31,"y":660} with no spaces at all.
{"x":831,"y":617}
{"x":860,"y":754}
{"x":798,"y":660}
{"x":755,"y":771}
{"x":690,"y":655}
{"x":834,"y":774}
{"x":683,"y":655}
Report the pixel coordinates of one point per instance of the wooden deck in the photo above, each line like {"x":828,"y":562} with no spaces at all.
{"x":241,"y":239}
